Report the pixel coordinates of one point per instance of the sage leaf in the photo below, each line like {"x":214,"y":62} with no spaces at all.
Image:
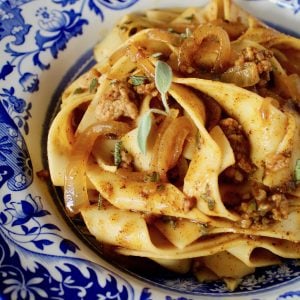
{"x":117,"y":153}
{"x":297,"y":170}
{"x":144,"y":128}
{"x":137,"y":79}
{"x":93,"y":85}
{"x":143,"y":131}
{"x":163,"y":80}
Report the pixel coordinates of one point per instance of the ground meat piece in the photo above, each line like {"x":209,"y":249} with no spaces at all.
{"x":264,"y":207}
{"x":241,"y":148}
{"x":86,"y":79}
{"x":117,"y":102}
{"x":262,"y":59}
{"x":43,"y":174}
{"x":277,"y":162}
{"x":126,"y":160}
{"x":147,"y":88}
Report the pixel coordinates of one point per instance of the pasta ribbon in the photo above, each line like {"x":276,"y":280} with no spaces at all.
{"x":182,"y":143}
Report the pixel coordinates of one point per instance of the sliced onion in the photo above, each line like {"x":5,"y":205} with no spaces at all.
{"x":139,"y":56}
{"x":189,"y":48}
{"x":75,"y":188}
{"x":170,"y":145}
{"x":294,"y":86}
{"x":242,"y":76}
{"x":288,"y":86}
{"x":164,"y":36}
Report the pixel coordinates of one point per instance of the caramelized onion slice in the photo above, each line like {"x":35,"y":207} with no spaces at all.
{"x":242,"y":76}
{"x":189,"y":48}
{"x":170,"y":145}
{"x":75,"y":188}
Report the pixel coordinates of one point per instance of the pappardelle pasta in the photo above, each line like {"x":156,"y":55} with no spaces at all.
{"x":182,"y":143}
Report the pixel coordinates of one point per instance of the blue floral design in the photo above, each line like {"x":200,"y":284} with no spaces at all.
{"x":29,"y":82}
{"x":58,"y":27}
{"x":12,"y":22}
{"x":23,"y":218}
{"x":15,"y":162}
{"x":290,"y":295}
{"x":73,"y":283}
{"x":5,"y":147}
{"x":294,"y":5}
{"x":26,"y":209}
{"x":16,"y":107}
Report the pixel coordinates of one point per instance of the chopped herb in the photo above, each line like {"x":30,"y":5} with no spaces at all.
{"x":190,"y":18}
{"x":202,"y":228}
{"x":186,"y":34}
{"x":79,"y":90}
{"x":211,"y":203}
{"x":113,"y":81}
{"x":157,"y":54}
{"x":117,"y":153}
{"x":93,"y":85}
{"x":170,"y":220}
{"x":152,"y":177}
{"x":199,"y":140}
{"x":171,"y":30}
{"x":160,"y":187}
{"x":297,"y":170}
{"x":138,"y":79}
{"x":163,"y":80}
{"x":100,"y":201}
{"x":252,"y":206}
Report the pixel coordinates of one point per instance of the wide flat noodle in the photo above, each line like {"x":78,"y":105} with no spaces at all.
{"x":61,"y":138}
{"x":142,"y":196}
{"x":202,"y":185}
{"x":265,"y":133}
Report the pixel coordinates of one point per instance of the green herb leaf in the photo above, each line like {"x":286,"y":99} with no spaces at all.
{"x":145,"y":127}
{"x":203,"y":228}
{"x":163,"y":80}
{"x":114,"y":81}
{"x":186,"y":34}
{"x":297,"y":170}
{"x":211,"y":203}
{"x":169,"y":220}
{"x":160,"y":187}
{"x":100,"y":201}
{"x":190,"y":18}
{"x":144,"y":130}
{"x":152,"y":177}
{"x":79,"y":90}
{"x":138,"y":79}
{"x":93,"y":85}
{"x":252,"y":206}
{"x":117,"y":153}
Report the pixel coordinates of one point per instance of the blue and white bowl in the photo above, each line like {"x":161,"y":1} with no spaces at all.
{"x":44,"y":45}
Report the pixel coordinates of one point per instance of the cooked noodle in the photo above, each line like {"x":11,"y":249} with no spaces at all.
{"x":182,"y":143}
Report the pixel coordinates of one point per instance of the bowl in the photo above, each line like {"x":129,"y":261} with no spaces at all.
{"x":44,"y":46}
